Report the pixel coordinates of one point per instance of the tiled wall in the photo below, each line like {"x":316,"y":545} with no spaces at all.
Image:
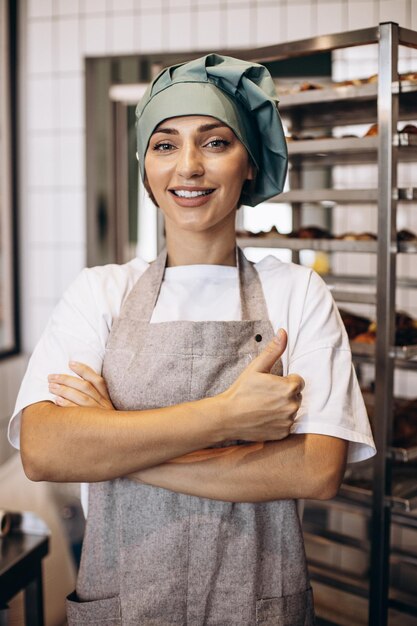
{"x":57,"y":35}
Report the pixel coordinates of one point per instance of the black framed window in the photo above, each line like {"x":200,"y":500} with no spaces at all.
{"x":9,"y":319}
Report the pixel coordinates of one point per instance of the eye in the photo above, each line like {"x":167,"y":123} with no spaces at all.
{"x":217,"y":143}
{"x":163,"y":146}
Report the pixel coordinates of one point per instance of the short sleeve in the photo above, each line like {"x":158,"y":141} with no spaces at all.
{"x":77,"y":331}
{"x":332,"y":402}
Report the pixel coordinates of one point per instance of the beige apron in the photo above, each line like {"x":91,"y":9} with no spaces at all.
{"x":152,"y":557}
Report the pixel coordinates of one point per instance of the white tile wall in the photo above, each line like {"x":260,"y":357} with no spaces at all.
{"x":122,"y":34}
{"x":394,"y":11}
{"x":41,"y":114}
{"x":68,"y":58}
{"x":43,"y":285}
{"x":94,"y":37}
{"x":42,"y":218}
{"x":93,"y":6}
{"x":40,"y":57}
{"x":68,"y":105}
{"x":60,"y":33}
{"x":69,"y":210}
{"x":270,"y":25}
{"x":39,"y":8}
{"x":41,"y":160}
{"x":300,"y":20}
{"x":122,"y":5}
{"x":330,"y":18}
{"x":180,"y":34}
{"x":413,"y":22}
{"x":66,"y":7}
{"x":362,"y":14}
{"x":239,"y":28}
{"x":209,"y":30}
{"x":71,"y":160}
{"x":149,"y":32}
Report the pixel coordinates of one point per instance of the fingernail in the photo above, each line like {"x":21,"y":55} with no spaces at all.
{"x":73,"y":363}
{"x":53,"y":377}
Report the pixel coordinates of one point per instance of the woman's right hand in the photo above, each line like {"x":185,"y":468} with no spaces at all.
{"x":260,"y":406}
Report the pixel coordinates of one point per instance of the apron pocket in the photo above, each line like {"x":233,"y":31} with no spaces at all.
{"x":295,"y":610}
{"x":106,"y":611}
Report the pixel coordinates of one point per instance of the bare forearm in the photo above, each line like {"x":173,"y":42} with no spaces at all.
{"x":87,"y":444}
{"x":301,"y":466}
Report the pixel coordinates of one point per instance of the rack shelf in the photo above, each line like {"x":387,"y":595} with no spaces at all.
{"x":403,"y":455}
{"x":351,"y":104}
{"x":406,"y":500}
{"x":325,"y":245}
{"x":341,"y":196}
{"x":340,"y":94}
{"x":319,"y":114}
{"x":349,"y":150}
{"x":360,"y":279}
{"x":401,"y":353}
{"x":356,"y":297}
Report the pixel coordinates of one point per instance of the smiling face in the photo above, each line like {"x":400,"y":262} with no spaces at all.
{"x":196,"y":167}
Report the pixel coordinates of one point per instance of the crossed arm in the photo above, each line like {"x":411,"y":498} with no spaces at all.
{"x":300,"y":466}
{"x":170,"y":447}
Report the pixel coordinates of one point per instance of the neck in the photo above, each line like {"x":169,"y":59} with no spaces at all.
{"x":201,"y":248}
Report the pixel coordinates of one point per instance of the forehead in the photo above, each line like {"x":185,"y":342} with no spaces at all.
{"x":198,"y":123}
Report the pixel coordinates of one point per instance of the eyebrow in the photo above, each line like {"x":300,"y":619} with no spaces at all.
{"x":202,"y":129}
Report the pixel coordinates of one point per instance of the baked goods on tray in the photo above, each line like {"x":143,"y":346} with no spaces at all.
{"x":310,"y":232}
{"x":317,"y":232}
{"x":349,"y":236}
{"x":363,"y":330}
{"x":405,"y":419}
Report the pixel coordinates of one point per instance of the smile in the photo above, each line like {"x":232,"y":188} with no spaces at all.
{"x":182,"y":193}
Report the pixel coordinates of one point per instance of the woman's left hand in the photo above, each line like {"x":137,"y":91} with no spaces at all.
{"x":87,"y":389}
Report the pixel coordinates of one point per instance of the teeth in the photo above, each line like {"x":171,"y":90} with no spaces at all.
{"x":182,"y":193}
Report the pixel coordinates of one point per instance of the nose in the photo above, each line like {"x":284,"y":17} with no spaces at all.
{"x":189,"y":163}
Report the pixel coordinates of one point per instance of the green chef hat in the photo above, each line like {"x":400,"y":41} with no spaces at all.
{"x":238,"y":93}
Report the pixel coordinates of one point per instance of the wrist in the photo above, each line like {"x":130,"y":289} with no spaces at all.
{"x":215,"y":414}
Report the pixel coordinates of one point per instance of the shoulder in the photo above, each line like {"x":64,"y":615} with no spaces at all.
{"x":114,"y":276}
{"x":106,"y":285}
{"x":293,"y":282}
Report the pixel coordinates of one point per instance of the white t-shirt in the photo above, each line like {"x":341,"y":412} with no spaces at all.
{"x":297,"y":300}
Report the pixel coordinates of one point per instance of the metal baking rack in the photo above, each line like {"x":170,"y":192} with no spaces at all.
{"x":389,"y":102}
{"x":325,"y":245}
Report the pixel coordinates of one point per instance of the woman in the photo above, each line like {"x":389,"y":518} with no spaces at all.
{"x":194,"y":443}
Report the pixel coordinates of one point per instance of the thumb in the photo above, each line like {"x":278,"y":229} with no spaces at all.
{"x":270,"y":354}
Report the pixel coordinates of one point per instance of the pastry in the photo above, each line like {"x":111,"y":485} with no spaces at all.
{"x":309,"y":86}
{"x":366,"y":337}
{"x":350,"y":236}
{"x":409,"y":129}
{"x":409,"y":76}
{"x":311,"y":232}
{"x":355,"y":324}
{"x":406,"y":235}
{"x":372,"y":131}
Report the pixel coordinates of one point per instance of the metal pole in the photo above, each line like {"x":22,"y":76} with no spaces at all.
{"x":384,"y":366}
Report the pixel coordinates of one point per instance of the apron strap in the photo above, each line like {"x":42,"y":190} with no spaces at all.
{"x":141,"y":301}
{"x":252,"y":299}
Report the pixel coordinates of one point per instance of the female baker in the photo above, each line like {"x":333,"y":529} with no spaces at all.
{"x":196,"y":440}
